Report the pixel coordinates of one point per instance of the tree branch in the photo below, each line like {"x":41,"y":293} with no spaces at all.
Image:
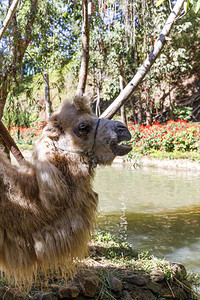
{"x":143,"y":70}
{"x":8,"y":18}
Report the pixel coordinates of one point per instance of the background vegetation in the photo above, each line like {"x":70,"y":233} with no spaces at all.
{"x":121,"y":35}
{"x":44,"y":41}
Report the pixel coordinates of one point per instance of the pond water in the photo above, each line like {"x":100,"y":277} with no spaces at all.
{"x":153,"y":209}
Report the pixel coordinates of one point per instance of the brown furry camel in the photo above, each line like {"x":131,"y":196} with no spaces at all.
{"x":47,"y":207}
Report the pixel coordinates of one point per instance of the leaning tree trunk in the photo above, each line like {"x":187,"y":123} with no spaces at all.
{"x":144,"y":69}
{"x":85,"y":50}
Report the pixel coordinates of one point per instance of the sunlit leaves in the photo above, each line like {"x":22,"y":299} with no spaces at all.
{"x":159,"y":2}
{"x":194,"y":4}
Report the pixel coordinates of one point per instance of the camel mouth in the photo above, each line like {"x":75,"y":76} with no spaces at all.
{"x":118,"y":146}
{"x":120,"y":149}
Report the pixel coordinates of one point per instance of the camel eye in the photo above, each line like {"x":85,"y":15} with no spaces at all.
{"x":84,"y":127}
{"x":82,"y":130}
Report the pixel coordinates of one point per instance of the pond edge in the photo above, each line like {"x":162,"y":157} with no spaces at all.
{"x":176,"y":164}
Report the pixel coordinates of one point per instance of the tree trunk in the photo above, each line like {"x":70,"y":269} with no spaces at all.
{"x":170,"y":105}
{"x":99,"y":82}
{"x":132,"y":100}
{"x":3,"y":92}
{"x":85,"y":50}
{"x":148,"y":116}
{"x":98,"y":111}
{"x":123,"y":111}
{"x":143,"y":70}
{"x":47,"y":95}
{"x":139,"y":112}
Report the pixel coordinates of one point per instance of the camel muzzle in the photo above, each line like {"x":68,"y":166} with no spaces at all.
{"x":122,"y":135}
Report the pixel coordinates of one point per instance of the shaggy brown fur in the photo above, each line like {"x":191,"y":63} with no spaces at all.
{"x":47,"y":208}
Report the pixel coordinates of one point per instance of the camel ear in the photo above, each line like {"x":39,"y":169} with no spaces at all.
{"x":53,"y":119}
{"x":53,"y":129}
{"x":82,"y":103}
{"x":52,"y":132}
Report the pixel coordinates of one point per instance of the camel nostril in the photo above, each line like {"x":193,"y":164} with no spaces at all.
{"x":122,"y":132}
{"x":120,"y":126}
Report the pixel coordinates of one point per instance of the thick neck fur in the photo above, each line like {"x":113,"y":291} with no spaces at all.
{"x":47,"y":207}
{"x":55,"y":181}
{"x":60,"y":172}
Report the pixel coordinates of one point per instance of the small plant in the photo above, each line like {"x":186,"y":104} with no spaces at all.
{"x":183,"y":113}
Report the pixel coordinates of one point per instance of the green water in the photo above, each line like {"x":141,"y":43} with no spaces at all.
{"x":155,"y":210}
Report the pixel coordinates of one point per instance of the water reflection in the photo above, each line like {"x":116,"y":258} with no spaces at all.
{"x":155,"y":210}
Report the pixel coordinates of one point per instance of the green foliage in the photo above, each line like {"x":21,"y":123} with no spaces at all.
{"x":183,"y":112}
{"x":21,"y":110}
{"x":118,"y":46}
{"x":25,"y":136}
{"x":54,"y":37}
{"x":110,"y":89}
{"x":159,"y":2}
{"x":194,"y":4}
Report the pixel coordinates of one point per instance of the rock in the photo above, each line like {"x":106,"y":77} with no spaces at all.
{"x":126,"y":295}
{"x":54,"y":287}
{"x":137,"y":279}
{"x":12,"y":293}
{"x":154,"y":287}
{"x":128,"y":286}
{"x":157,"y":276}
{"x":69,"y":291}
{"x":8,"y":295}
{"x":19,"y":297}
{"x":142,"y":294}
{"x":178,"y":270}
{"x":89,"y":285}
{"x":115,"y":285}
{"x":2,"y":291}
{"x":80,"y":298}
{"x":148,"y":295}
{"x":46,"y":296}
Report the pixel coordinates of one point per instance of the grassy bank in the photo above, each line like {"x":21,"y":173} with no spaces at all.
{"x":120,"y":259}
{"x":113,"y":270}
{"x":158,"y":154}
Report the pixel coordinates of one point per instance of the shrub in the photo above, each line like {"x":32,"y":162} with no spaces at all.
{"x":26,"y":135}
{"x":178,"y":136}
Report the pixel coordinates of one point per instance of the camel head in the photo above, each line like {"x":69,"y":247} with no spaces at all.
{"x":74,"y":128}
